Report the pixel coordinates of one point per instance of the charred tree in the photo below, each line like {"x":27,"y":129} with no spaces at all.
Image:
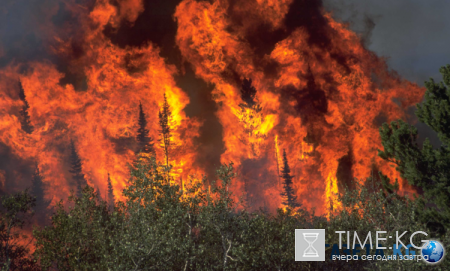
{"x":165,"y":119}
{"x":25,"y":121}
{"x":76,"y":170}
{"x":38,"y":191}
{"x":111,"y":199}
{"x":251,"y":117}
{"x":145,"y":142}
{"x":248,"y":93}
{"x":288,"y":194}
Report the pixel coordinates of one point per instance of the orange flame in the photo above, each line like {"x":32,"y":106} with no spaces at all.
{"x":321,"y":103}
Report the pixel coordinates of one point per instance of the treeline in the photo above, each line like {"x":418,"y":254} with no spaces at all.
{"x":159,"y":226}
{"x":144,"y":150}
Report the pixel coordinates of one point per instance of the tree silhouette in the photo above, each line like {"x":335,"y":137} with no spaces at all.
{"x":145,"y":142}
{"x":289,"y":197}
{"x":97,"y":192}
{"x":76,"y":169}
{"x":251,"y":117}
{"x":25,"y":117}
{"x":38,"y":191}
{"x":248,"y":93}
{"x":111,"y":199}
{"x":165,"y":119}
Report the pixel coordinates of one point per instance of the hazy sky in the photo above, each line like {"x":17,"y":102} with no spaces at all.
{"x":413,"y":34}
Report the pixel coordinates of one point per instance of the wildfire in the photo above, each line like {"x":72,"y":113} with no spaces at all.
{"x":319,"y":99}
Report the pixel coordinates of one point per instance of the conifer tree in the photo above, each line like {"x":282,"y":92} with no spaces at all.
{"x":111,"y":198}
{"x":98,"y":194}
{"x":25,"y":117}
{"x":289,"y":197}
{"x":38,"y":191}
{"x":424,"y":166}
{"x":145,"y":142}
{"x":77,"y":169}
{"x":37,"y":185}
{"x":165,"y":119}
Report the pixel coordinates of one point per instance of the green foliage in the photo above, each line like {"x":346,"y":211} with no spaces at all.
{"x":266,"y":241}
{"x":370,"y":208}
{"x":158,"y":226}
{"x":426,"y":168}
{"x":435,"y":110}
{"x":80,"y":238}
{"x":156,"y":234}
{"x":14,"y":211}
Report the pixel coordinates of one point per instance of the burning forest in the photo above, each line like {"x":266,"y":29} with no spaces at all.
{"x":198,"y":84}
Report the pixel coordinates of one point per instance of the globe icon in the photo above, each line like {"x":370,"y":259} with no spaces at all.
{"x":435,"y":252}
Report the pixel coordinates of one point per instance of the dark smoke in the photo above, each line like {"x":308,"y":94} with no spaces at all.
{"x":412,"y":34}
{"x":306,"y":14}
{"x":154,"y":25}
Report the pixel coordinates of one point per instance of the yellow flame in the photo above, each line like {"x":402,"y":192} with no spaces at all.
{"x":277,"y":158}
{"x":331,"y":194}
{"x":305,"y":150}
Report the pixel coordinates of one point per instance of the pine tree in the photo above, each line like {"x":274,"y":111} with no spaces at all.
{"x":37,"y":185}
{"x":98,"y":194}
{"x":165,"y":119}
{"x":424,"y":167}
{"x":289,"y":197}
{"x":77,"y":170}
{"x":111,"y":198}
{"x":145,"y":142}
{"x":38,"y":191}
{"x":25,"y":117}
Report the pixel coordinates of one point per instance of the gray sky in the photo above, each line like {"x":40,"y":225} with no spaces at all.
{"x":413,"y":34}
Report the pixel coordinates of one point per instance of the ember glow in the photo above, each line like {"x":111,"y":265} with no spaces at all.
{"x":321,"y":96}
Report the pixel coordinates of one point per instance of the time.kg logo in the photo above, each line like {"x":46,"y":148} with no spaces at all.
{"x":310,"y":245}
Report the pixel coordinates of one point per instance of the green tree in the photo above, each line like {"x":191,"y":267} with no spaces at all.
{"x":76,"y":169}
{"x":288,"y":194}
{"x":79,"y":238}
{"x":369,"y":208}
{"x":165,"y":120}
{"x":15,"y":210}
{"x":145,"y":142}
{"x":266,"y":240}
{"x":425,"y":167}
{"x":25,"y":116}
{"x":153,"y":229}
{"x":220,"y":224}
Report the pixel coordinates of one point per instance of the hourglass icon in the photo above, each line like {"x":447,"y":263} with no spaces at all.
{"x":310,"y":237}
